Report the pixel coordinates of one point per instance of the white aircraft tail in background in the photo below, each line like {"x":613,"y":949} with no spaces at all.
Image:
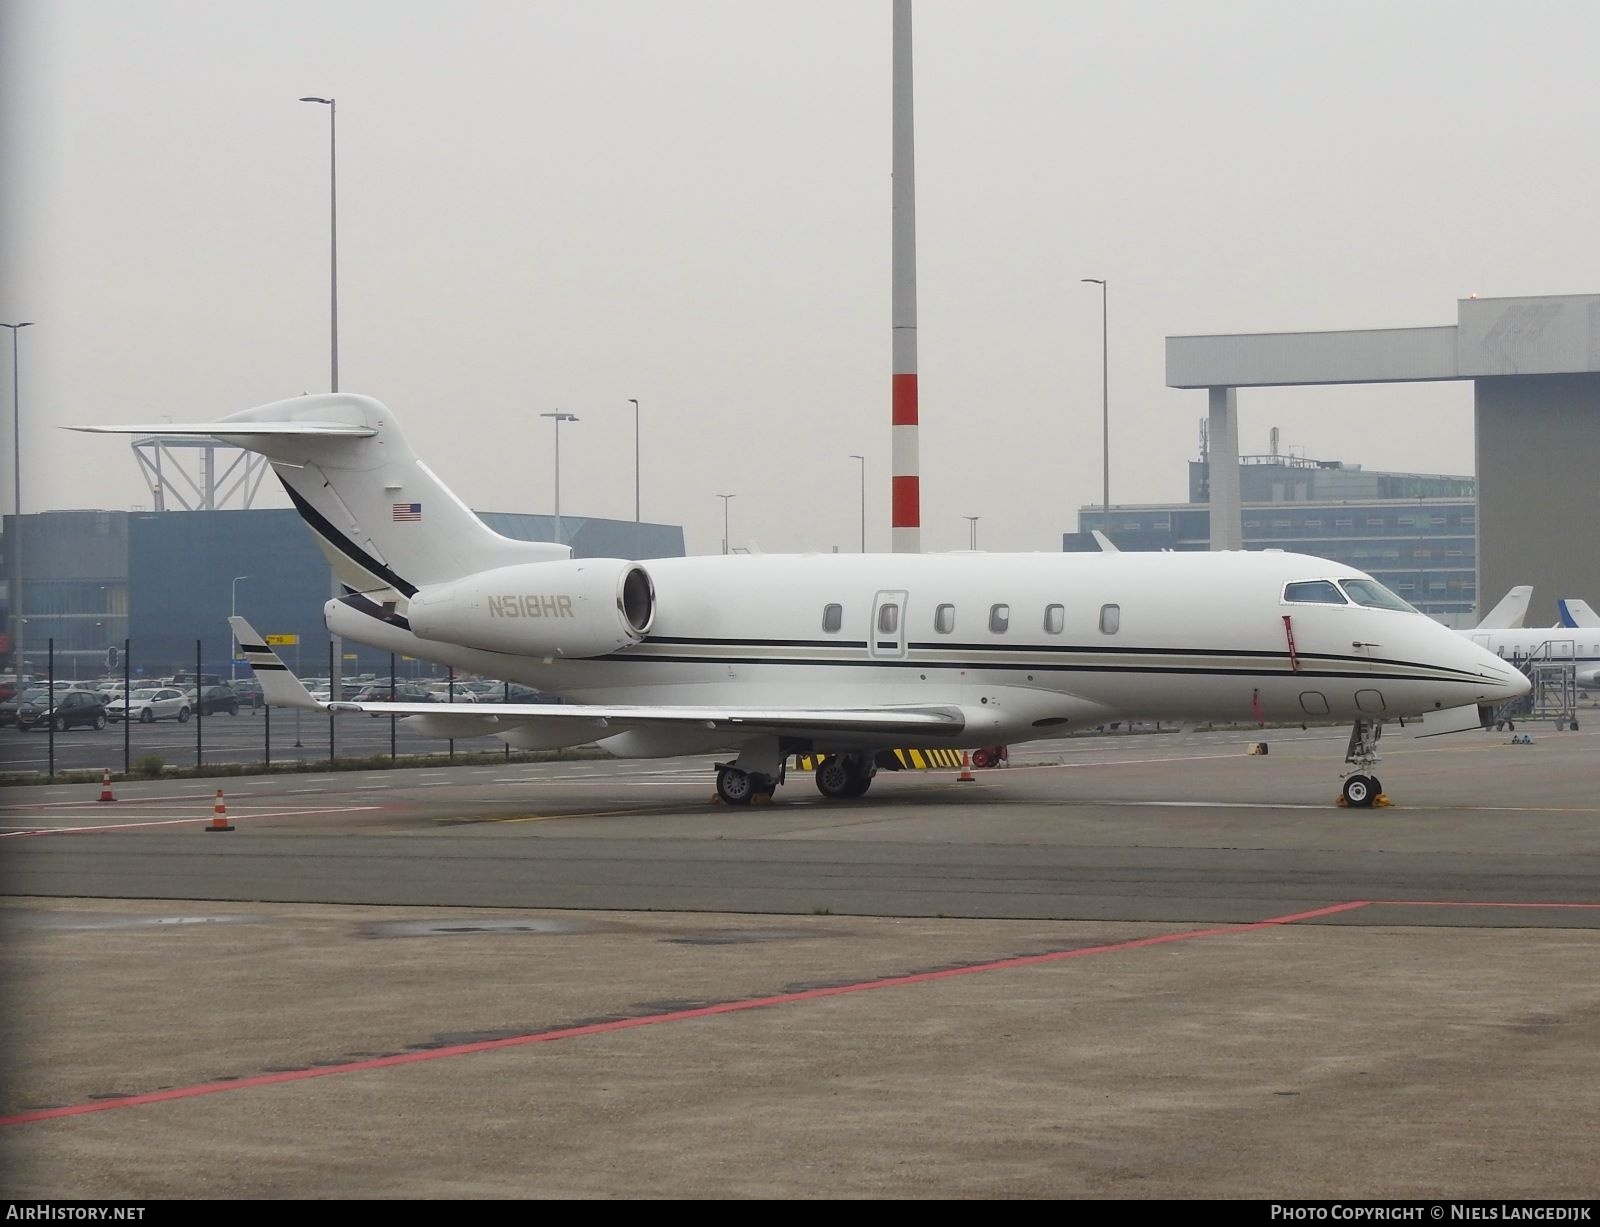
{"x":841,"y":657}
{"x":1511,"y":610}
{"x":1576,"y":613}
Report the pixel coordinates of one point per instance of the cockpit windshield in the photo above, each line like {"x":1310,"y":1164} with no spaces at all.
{"x":1373,"y":595}
{"x":1313,"y":592}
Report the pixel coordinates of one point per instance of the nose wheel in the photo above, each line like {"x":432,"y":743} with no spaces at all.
{"x":1360,"y":791}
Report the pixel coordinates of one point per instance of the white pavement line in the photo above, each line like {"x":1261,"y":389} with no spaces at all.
{"x":167,"y":822}
{"x":196,"y":797}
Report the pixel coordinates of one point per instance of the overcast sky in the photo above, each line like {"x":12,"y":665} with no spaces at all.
{"x":560,"y":205}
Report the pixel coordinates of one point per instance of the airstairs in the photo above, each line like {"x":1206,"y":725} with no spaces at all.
{"x":1552,"y":670}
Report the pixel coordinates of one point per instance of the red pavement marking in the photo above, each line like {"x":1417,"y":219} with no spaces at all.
{"x":650,"y":1020}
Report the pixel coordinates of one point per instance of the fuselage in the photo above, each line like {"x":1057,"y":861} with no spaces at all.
{"x":1577,"y":647}
{"x":1031,"y":645}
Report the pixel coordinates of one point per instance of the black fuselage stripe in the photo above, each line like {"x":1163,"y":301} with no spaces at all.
{"x":324,"y":529}
{"x":366,"y":605}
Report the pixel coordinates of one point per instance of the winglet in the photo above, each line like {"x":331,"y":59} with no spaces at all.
{"x":279,"y":687}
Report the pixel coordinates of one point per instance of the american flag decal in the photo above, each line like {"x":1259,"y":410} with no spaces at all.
{"x":407,"y":511}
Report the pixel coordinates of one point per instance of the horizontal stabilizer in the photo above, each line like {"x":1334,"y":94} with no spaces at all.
{"x":240,"y":429}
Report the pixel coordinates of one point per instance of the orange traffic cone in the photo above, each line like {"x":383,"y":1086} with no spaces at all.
{"x":105,"y":786}
{"x":219,"y":820}
{"x":966,"y":776}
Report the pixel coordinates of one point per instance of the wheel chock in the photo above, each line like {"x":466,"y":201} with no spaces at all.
{"x":1381,"y":799}
{"x":1341,"y":802}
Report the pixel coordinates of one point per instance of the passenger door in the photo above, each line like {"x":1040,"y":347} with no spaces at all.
{"x":886,"y":636}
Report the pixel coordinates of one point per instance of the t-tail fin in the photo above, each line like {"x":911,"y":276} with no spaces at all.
{"x":386,"y":523}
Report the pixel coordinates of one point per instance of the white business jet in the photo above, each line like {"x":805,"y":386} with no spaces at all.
{"x":1574,"y":640}
{"x":839,"y":656}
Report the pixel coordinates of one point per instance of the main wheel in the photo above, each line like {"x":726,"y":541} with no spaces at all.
{"x":861,"y":782}
{"x":1360,"y":791}
{"x":982,"y":759}
{"x":834,"y":778}
{"x":147,"y":716}
{"x":735,"y":787}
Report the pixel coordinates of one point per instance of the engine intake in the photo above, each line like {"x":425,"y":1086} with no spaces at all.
{"x":578,"y":608}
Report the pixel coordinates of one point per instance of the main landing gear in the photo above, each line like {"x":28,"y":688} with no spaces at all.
{"x":1361,"y":788}
{"x":845,"y":775}
{"x":736,"y":786}
{"x":755,"y":776}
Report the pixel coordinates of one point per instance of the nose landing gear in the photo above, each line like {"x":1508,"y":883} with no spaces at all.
{"x":1361,"y":789}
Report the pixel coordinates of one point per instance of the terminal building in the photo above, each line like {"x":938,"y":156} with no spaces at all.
{"x":1414,"y":532}
{"x":162,"y":580}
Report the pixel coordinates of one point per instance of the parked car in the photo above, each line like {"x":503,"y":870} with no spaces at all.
{"x":219,"y":698}
{"x":249,"y":692}
{"x":70,"y":709}
{"x":31,"y":695}
{"x":153,"y":703}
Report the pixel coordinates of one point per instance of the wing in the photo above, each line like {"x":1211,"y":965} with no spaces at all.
{"x":282,"y":688}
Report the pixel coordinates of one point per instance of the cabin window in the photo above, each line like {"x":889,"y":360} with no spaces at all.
{"x":888,"y":619}
{"x":1110,"y":618}
{"x":1313,"y":592}
{"x":1371,"y":593}
{"x":944,"y":619}
{"x":832,"y":618}
{"x":1055,"y":619}
{"x":999,"y":618}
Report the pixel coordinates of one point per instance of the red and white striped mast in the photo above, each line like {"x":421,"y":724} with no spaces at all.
{"x":906,"y":500}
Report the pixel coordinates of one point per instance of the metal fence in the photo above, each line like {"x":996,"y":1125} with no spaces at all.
{"x":251,"y":733}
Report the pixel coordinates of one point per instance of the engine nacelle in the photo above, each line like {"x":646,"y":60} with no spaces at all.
{"x":578,"y":608}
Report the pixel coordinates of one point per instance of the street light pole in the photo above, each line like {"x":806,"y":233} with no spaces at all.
{"x":863,"y":460}
{"x":558,"y":418}
{"x":333,"y":229}
{"x":635,"y":405}
{"x":725,"y":498}
{"x":1105,"y":409}
{"x":233,"y":609}
{"x":15,"y":547}
{"x":972,"y":531}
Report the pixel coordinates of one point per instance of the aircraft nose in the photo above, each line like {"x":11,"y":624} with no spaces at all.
{"x":1503,"y":682}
